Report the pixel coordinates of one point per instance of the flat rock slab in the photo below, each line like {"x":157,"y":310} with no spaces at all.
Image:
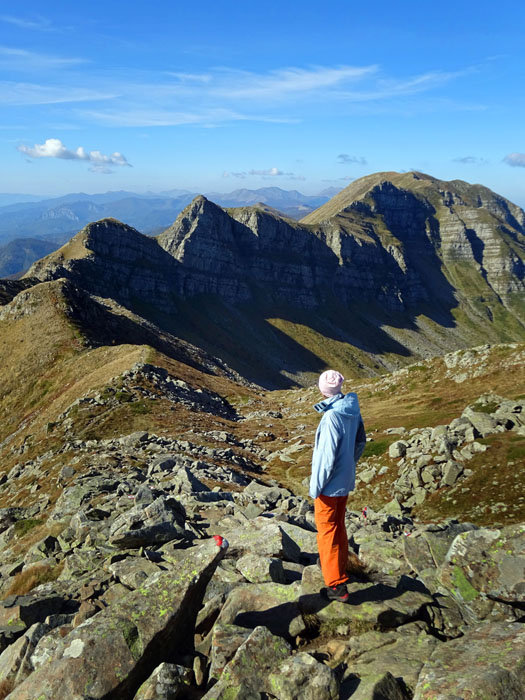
{"x":370,"y":606}
{"x":488,"y":662}
{"x":402,"y":653}
{"x":384,"y":556}
{"x":489,"y":562}
{"x":265,"y":538}
{"x":114,"y":652}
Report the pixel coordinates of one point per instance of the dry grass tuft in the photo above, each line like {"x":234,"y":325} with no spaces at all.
{"x":33,"y":576}
{"x":6,"y":687}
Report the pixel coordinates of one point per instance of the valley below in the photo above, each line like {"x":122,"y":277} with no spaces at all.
{"x":156,"y":395}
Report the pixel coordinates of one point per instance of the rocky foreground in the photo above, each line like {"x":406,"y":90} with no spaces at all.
{"x":137,"y":599}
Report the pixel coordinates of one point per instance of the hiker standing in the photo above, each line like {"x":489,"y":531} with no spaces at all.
{"x":339,"y":442}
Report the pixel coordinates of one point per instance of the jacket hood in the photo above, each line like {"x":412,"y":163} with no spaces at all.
{"x":346,"y":404}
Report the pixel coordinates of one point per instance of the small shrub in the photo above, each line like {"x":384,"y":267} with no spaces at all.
{"x":123,"y":396}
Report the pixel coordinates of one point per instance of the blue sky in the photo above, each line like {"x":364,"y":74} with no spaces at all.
{"x":212,"y":96}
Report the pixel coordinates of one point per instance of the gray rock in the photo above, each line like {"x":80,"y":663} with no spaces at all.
{"x":397,"y":449}
{"x":379,"y":685}
{"x":301,"y":677}
{"x":256,"y":569}
{"x":167,"y":682}
{"x":273,"y":605}
{"x":486,"y":563}
{"x":111,"y":652}
{"x":246,"y":675}
{"x":488,"y":662}
{"x":484,"y":423}
{"x":451,"y":473}
{"x":160,"y":522}
{"x":133,"y":571}
{"x":225,"y":640}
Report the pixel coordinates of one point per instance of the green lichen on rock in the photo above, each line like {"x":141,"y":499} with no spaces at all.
{"x":462,"y":586}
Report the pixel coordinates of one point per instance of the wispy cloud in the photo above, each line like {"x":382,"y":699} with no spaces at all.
{"x":23,"y":60}
{"x":345,"y":159}
{"x":14,"y":93}
{"x":207,"y":117}
{"x":286,"y":83}
{"x":223,"y":95}
{"x":220,"y":95}
{"x":38,"y":23}
{"x":471,"y":160}
{"x":54,"y":148}
{"x":516,"y":160}
{"x":264,"y":173}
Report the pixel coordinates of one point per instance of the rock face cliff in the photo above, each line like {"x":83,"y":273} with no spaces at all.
{"x":427,"y":265}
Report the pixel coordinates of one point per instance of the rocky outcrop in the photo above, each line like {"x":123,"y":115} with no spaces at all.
{"x":402,"y":242}
{"x":147,"y":605}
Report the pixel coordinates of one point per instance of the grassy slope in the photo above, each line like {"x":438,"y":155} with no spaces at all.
{"x":424,"y":394}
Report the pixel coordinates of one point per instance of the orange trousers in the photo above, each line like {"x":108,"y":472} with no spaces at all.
{"x":332,"y":540}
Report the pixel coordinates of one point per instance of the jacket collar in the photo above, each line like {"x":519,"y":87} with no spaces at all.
{"x":327,"y":403}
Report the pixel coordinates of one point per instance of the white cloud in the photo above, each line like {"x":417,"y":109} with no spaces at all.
{"x":265,"y":173}
{"x":54,"y":148}
{"x":517,"y":160}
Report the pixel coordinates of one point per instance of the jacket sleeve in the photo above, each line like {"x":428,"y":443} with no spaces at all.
{"x":325,"y":449}
{"x":360,"y":440}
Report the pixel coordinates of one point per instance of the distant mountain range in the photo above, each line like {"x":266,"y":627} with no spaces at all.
{"x":24,"y":217}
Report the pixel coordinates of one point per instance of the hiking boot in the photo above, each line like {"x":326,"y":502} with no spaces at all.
{"x":339,"y":592}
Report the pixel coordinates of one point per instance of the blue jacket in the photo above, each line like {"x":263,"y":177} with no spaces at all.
{"x":339,"y":442}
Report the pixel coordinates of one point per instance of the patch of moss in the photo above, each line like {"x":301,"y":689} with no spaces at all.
{"x":463,"y":585}
{"x":22,"y":527}
{"x":375,"y":448}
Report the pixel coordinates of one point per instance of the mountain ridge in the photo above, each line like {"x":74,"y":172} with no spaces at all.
{"x":414,"y":276}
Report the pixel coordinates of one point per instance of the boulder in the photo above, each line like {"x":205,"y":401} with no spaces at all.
{"x":264,"y":537}
{"x":402,"y":653}
{"x":484,"y":423}
{"x":157,"y":523}
{"x":256,"y":569}
{"x":369,"y":607}
{"x":301,"y":677}
{"x":428,"y":548}
{"x":487,"y":662}
{"x":114,"y":652}
{"x":486,"y":563}
{"x":167,"y":682}
{"x":397,"y":449}
{"x":133,"y":571}
{"x":15,"y":661}
{"x":225,"y":640}
{"x":374,"y":686}
{"x":246,"y":675}
{"x":273,"y":605}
